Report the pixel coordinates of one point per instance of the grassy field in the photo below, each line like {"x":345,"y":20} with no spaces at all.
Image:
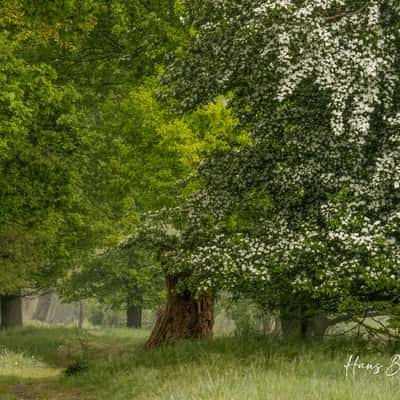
{"x":33,"y":363}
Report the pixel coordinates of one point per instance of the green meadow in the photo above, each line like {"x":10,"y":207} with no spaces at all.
{"x":112,"y":364}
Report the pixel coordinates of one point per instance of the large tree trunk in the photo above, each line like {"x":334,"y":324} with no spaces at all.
{"x":134,"y":317}
{"x":11,"y":311}
{"x":183,"y":318}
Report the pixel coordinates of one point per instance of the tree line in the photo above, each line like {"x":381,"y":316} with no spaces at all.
{"x":180,"y":149}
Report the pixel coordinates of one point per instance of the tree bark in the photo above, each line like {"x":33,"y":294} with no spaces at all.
{"x":184,"y":317}
{"x":134,"y":317}
{"x":11,"y":311}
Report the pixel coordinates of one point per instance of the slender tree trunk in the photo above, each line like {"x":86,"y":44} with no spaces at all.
{"x":81,"y":315}
{"x":184,"y":317}
{"x":54,"y":309}
{"x":11,"y":311}
{"x":134,"y":317}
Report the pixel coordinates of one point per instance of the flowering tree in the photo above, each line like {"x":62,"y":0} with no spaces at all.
{"x":307,"y":217}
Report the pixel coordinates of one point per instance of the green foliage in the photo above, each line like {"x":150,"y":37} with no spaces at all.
{"x":145,"y":151}
{"x":66,"y":187}
{"x":40,"y":138}
{"x":119,"y":278}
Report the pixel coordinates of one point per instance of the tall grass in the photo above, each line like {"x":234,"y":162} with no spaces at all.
{"x":230,"y":368}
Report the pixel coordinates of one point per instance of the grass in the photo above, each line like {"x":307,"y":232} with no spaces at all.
{"x":32,"y":361}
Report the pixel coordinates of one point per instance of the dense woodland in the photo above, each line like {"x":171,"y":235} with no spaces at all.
{"x":164,"y":155}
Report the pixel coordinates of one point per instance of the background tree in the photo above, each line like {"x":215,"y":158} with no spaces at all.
{"x":54,"y":209}
{"x":40,"y":140}
{"x":124,"y":277}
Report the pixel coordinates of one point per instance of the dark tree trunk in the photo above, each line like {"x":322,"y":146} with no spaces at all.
{"x":11,"y":311}
{"x":300,"y":325}
{"x":134,"y":317}
{"x":184,"y":317}
{"x":292,"y":319}
{"x":317,"y":326}
{"x":292,"y":327}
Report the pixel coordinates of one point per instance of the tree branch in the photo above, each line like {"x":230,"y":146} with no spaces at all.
{"x":346,"y":14}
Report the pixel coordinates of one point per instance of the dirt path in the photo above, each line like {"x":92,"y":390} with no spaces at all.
{"x":44,"y":391}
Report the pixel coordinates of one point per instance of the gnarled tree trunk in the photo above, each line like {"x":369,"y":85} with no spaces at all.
{"x":11,"y":311}
{"x":184,"y":317}
{"x":134,"y":317}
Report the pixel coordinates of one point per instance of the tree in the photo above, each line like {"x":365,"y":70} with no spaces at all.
{"x":156,"y":150}
{"x":306,"y":219}
{"x":186,"y":315}
{"x":39,"y":158}
{"x":54,"y":209}
{"x":124,"y":277}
